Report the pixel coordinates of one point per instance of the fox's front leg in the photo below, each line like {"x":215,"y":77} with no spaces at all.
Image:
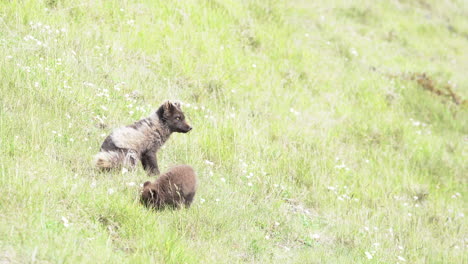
{"x":150,"y":164}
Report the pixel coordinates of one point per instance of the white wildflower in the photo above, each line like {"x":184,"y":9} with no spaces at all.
{"x":315,"y":236}
{"x":209,"y":162}
{"x":368,"y":255}
{"x":65,"y":221}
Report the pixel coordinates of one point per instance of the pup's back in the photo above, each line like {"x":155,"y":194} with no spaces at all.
{"x":175,"y":187}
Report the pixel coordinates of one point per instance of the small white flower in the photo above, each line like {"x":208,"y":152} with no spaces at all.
{"x":103,"y":108}
{"x":249,"y":184}
{"x":103,"y":135}
{"x":124,"y":170}
{"x":217,"y":200}
{"x":209,"y":162}
{"x":223,"y":180}
{"x":9,"y":57}
{"x":65,"y":221}
{"x":315,"y":236}
{"x":401,"y":258}
{"x":71,"y":140}
{"x":131,"y":184}
{"x":110,"y":191}
{"x":254,"y":65}
{"x":93,"y":184}
{"x":277,"y":224}
{"x":202,"y":200}
{"x":368,"y":255}
{"x":54,"y":132}
{"x":267,"y":237}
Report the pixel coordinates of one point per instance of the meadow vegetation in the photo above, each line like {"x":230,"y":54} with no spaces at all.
{"x":317,"y":136}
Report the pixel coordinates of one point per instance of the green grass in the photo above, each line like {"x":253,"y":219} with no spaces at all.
{"x":323,"y":149}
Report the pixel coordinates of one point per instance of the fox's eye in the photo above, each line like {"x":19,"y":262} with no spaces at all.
{"x":177,"y":118}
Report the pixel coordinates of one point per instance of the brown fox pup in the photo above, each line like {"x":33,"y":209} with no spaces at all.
{"x":175,"y":187}
{"x":141,"y":140}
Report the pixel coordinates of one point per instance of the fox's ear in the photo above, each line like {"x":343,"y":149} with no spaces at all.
{"x":146,"y":184}
{"x":160,"y":112}
{"x":177,"y":104}
{"x":169,"y":106}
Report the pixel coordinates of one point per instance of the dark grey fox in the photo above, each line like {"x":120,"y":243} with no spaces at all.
{"x":141,"y":140}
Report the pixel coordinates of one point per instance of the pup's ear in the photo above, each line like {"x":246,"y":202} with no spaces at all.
{"x":146,"y":184}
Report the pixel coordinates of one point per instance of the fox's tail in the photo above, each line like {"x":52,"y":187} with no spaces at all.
{"x":113,"y":159}
{"x":108,"y":159}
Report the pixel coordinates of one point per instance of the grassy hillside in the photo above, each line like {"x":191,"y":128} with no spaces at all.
{"x":332,"y":132}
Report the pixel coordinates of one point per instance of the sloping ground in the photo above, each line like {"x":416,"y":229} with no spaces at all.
{"x":329,"y":132}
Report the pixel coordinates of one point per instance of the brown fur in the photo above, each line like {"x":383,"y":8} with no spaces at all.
{"x":175,"y":187}
{"x":141,"y":140}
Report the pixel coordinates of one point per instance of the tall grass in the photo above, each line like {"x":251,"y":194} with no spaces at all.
{"x":311,"y":141}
